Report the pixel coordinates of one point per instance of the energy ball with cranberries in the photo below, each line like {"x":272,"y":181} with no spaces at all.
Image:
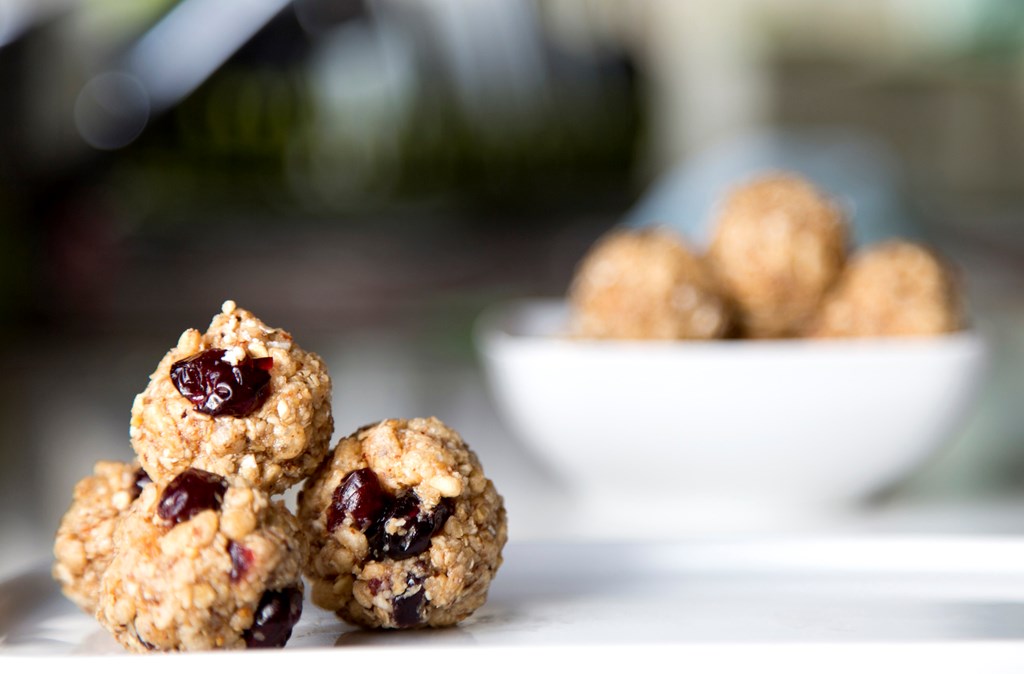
{"x":892,"y":289}
{"x":779,"y":245}
{"x":405,"y":529}
{"x":85,"y":538}
{"x":203,"y":562}
{"x":241,"y":399}
{"x":645,"y":284}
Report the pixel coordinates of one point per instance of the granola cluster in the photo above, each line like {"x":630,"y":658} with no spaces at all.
{"x":187,"y":548}
{"x":428,"y":491}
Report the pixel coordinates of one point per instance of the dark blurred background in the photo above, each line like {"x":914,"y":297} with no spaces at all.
{"x":371,"y":174}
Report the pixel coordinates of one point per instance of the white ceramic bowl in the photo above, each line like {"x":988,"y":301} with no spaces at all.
{"x":795,"y":422}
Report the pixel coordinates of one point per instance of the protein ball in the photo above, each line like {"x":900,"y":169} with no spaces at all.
{"x":203,"y":563}
{"x":84,"y":544}
{"x":645,"y":284}
{"x":779,"y":244}
{"x":892,"y":289}
{"x":404,"y":528}
{"x":241,"y":399}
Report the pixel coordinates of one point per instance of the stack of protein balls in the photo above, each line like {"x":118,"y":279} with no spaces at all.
{"x":778,"y":267}
{"x":188,"y":549}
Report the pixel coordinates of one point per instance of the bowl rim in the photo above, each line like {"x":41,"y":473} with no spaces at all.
{"x":491,"y":329}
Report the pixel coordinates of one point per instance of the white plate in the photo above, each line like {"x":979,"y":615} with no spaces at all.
{"x":728,"y":603}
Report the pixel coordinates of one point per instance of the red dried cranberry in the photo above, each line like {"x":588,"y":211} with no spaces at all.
{"x":218,"y":388}
{"x":360,"y":496}
{"x":413,"y":536}
{"x":190,"y":493}
{"x":241,"y":559}
{"x":276,"y":615}
{"x":141,"y":480}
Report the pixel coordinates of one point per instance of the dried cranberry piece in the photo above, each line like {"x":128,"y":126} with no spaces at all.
{"x":275,"y":616}
{"x":218,"y":388}
{"x":359,"y":495}
{"x":191,"y":492}
{"x":412,"y":536}
{"x":141,"y":480}
{"x":445,"y":509}
{"x":241,"y":559}
{"x":407,"y":608}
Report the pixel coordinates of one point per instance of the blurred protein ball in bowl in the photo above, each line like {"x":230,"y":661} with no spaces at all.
{"x":779,"y":244}
{"x":646,"y":284}
{"x":894,"y":288}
